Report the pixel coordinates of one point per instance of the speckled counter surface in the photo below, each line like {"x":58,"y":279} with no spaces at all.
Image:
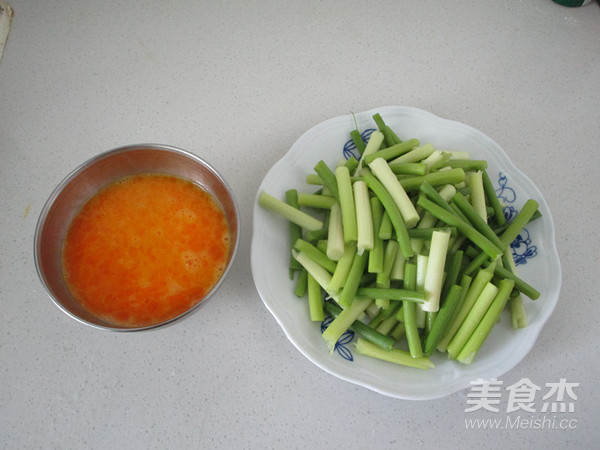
{"x":237,"y":83}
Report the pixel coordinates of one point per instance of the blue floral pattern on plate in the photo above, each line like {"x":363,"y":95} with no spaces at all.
{"x":350,"y":149}
{"x":522,"y":247}
{"x":341,"y":345}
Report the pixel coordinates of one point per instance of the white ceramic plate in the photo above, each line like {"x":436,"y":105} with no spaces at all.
{"x":536,"y":253}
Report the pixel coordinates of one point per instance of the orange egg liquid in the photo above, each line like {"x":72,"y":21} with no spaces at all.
{"x":145,"y":249}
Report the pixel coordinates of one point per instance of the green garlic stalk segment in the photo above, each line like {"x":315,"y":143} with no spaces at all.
{"x":491,"y":199}
{"x":394,"y":151}
{"x":395,"y":355}
{"x":484,"y":328}
{"x":477,"y":194}
{"x":376,"y":255}
{"x":389,"y":259}
{"x":318,"y":272}
{"x":391,"y":294}
{"x":385,"y":228}
{"x":518,"y":316}
{"x":409,"y":310}
{"x":417,"y":169}
{"x":315,"y":254}
{"x":301,"y":287}
{"x":524,"y":216}
{"x":388,"y":325}
{"x":398,"y":332}
{"x":346,"y":196}
{"x":364,"y":218}
{"x":316,"y":201}
{"x":465,"y":228}
{"x":342,"y":322}
{"x":335,"y":237}
{"x":342,"y":268}
{"x":408,"y":247}
{"x":397,"y":272}
{"x":315,"y":301}
{"x":521,"y":285}
{"x":516,"y":226}
{"x":441,"y":320}
{"x":290,"y":213}
{"x":472,"y":320}
{"x":364,"y":330}
{"x":390,"y":136}
{"x":393,"y":212}
{"x":517,"y":312}
{"x":476,"y":287}
{"x":358,"y":141}
{"x":415,"y":155}
{"x":327,"y":178}
{"x":435,"y":270}
{"x":384,"y":174}
{"x":375,"y":141}
{"x":441,"y":177}
{"x":468,"y":165}
{"x":382,"y":279}
{"x":291,"y":198}
{"x":474,"y":217}
{"x":348,"y":293}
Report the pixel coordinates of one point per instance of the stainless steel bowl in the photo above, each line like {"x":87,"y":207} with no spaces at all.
{"x":101,"y":170}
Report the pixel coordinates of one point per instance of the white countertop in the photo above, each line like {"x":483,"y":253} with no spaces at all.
{"x":237,"y":83}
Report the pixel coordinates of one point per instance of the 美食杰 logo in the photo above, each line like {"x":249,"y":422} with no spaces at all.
{"x":527,"y":404}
